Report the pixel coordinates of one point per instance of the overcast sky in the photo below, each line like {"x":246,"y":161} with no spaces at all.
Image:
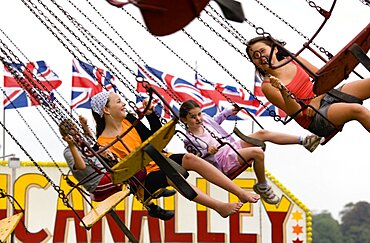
{"x":329,"y":178}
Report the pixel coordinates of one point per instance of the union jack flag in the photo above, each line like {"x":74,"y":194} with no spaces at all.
{"x":223,"y":95}
{"x":174,"y":91}
{"x":34,"y":74}
{"x":251,"y":102}
{"x":87,"y":81}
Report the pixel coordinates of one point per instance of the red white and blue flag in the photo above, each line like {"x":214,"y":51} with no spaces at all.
{"x":37,"y":76}
{"x":87,"y":81}
{"x":174,"y":91}
{"x":213,"y":97}
{"x":223,"y":95}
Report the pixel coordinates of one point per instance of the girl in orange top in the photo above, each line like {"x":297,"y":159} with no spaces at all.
{"x":109,"y":114}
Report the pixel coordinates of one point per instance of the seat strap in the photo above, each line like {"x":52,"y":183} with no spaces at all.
{"x":181,"y":184}
{"x":344,"y":97}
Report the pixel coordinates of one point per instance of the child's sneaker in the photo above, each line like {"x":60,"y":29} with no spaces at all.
{"x":266,"y":192}
{"x":311,"y":142}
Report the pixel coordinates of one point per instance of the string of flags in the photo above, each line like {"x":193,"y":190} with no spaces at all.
{"x":88,"y":80}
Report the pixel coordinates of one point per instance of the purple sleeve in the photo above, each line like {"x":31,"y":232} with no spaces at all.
{"x":223,"y":115}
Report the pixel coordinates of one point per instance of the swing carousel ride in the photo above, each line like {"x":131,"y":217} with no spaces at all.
{"x":204,"y":37}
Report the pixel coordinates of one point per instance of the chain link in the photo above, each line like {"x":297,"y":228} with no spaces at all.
{"x":223,"y":38}
{"x":56,"y":188}
{"x":271,"y":112}
{"x":226,"y":25}
{"x":312,"y":4}
{"x":365,"y":2}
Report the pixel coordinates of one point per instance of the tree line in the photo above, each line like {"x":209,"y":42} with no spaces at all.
{"x":354,"y":226}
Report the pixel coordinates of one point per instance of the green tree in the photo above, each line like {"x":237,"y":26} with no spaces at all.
{"x":355,"y":225}
{"x":325,"y":229}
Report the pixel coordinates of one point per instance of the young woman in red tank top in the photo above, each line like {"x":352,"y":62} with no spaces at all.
{"x":279,"y":82}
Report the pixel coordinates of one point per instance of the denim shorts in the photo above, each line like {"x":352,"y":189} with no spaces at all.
{"x":319,"y":124}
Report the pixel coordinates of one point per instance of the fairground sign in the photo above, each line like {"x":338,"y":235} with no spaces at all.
{"x":48,"y":219}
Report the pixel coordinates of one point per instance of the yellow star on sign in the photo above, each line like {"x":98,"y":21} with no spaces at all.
{"x":297,"y":215}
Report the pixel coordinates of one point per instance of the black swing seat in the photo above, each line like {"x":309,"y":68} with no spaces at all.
{"x":341,"y":65}
{"x":345,"y":98}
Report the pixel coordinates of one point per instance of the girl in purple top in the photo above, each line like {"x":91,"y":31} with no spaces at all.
{"x":200,"y":127}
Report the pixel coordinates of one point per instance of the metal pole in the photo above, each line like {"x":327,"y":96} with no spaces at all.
{"x":13,"y":163}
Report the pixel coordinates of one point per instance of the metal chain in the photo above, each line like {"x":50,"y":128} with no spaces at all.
{"x":52,"y":113}
{"x":365,"y":2}
{"x":112,"y":28}
{"x":40,"y":13}
{"x":312,"y":4}
{"x":223,"y":38}
{"x":38,"y":94}
{"x":28,"y":60}
{"x":322,"y":11}
{"x":56,"y":188}
{"x":271,"y":112}
{"x":33,"y":132}
{"x":227,"y":25}
{"x":79,"y":26}
{"x":132,"y":105}
{"x":137,"y":94}
{"x":87,"y":34}
{"x":37,"y":108}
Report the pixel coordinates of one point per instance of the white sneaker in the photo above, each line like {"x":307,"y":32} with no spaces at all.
{"x":311,"y":142}
{"x":266,"y":192}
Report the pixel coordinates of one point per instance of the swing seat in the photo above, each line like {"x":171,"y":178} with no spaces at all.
{"x":168,"y":16}
{"x":341,"y":65}
{"x":232,"y":10}
{"x":232,"y":175}
{"x":8,"y":225}
{"x":138,"y":159}
{"x":104,"y":207}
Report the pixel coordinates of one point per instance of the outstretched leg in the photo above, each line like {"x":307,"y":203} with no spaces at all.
{"x":224,"y":209}
{"x":310,"y":142}
{"x":340,"y":113}
{"x":213,"y":175}
{"x":275,"y":137}
{"x":359,"y":88}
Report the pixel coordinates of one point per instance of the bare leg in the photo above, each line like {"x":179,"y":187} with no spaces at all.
{"x":359,"y":88}
{"x":258,"y":156}
{"x":340,"y":113}
{"x":213,"y":175}
{"x":275,"y":137}
{"x":224,"y":209}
